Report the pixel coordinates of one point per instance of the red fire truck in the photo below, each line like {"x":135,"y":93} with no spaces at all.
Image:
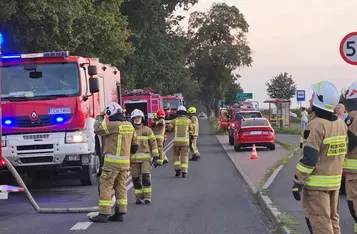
{"x":49,"y":104}
{"x":143,"y":99}
{"x":171,"y":103}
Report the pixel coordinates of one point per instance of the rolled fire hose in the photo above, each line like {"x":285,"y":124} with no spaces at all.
{"x":34,"y":203}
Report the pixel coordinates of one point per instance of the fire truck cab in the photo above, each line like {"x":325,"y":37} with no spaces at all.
{"x":171,"y":103}
{"x":143,"y":99}
{"x":49,"y":104}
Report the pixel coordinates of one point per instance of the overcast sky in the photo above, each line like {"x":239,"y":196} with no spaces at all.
{"x":300,"y":37}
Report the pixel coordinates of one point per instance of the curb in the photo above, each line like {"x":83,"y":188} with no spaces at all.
{"x":265,"y":202}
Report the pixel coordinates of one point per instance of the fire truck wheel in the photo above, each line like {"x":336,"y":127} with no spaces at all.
{"x":89,"y":173}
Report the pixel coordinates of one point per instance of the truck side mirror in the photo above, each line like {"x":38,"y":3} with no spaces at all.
{"x":93,"y":85}
{"x":92,"y":70}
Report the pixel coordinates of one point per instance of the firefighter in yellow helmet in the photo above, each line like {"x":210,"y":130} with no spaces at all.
{"x":350,"y":164}
{"x":193,"y":139}
{"x":141,"y":162}
{"x":319,"y":170}
{"x":183,"y":129}
{"x":159,"y":129}
{"x":120,"y":141}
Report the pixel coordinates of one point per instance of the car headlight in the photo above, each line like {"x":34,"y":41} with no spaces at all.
{"x":76,"y":137}
{"x":3,"y":141}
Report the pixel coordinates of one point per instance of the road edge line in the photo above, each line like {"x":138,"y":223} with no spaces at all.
{"x":250,"y":184}
{"x":266,"y":203}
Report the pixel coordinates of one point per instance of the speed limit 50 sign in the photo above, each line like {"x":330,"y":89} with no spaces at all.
{"x":348,"y":48}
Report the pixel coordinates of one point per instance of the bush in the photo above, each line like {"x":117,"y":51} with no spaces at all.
{"x":214,"y":121}
{"x":291,"y":131}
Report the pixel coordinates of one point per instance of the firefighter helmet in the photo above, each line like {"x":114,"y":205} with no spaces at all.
{"x":160,"y":113}
{"x":326,"y":96}
{"x":181,"y":108}
{"x":113,"y":108}
{"x":192,"y":110}
{"x":137,"y":113}
{"x":351,"y":92}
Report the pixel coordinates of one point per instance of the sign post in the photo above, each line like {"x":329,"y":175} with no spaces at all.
{"x":348,"y":48}
{"x":243,"y":96}
{"x":300,"y":96}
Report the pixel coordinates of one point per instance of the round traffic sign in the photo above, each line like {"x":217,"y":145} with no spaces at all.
{"x":348,"y":48}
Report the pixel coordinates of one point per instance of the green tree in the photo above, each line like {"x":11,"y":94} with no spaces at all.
{"x":281,"y":86}
{"x":343,"y":96}
{"x":84,"y":28}
{"x":232,"y":92}
{"x":159,"y":59}
{"x":218,"y":46}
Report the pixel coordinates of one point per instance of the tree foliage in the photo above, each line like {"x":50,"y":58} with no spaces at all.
{"x":281,"y":86}
{"x":159,"y":59}
{"x":232,"y":92}
{"x":218,"y":46}
{"x":84,"y":28}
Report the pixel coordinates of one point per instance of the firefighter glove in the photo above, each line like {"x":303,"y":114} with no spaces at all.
{"x":297,"y":188}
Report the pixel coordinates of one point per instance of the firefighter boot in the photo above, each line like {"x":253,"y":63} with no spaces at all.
{"x":184,"y":174}
{"x":194,"y":158}
{"x":178,"y":173}
{"x":147,"y":201}
{"x":100,"y":218}
{"x":117,"y":216}
{"x":139,"y":201}
{"x":166,"y":160}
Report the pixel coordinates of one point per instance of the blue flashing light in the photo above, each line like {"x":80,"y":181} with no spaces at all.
{"x":10,"y":56}
{"x":36,"y":55}
{"x":8,"y":122}
{"x":1,"y":39}
{"x":59,"y":119}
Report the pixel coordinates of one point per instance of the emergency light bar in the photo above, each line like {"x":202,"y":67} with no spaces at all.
{"x":37,"y":55}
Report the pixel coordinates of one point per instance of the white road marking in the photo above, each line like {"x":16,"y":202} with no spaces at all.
{"x":81,"y":226}
{"x":85,"y":225}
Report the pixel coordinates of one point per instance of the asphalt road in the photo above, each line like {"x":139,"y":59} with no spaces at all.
{"x":213,"y":199}
{"x":282,"y":197}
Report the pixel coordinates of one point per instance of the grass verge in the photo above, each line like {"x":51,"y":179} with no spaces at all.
{"x":287,"y":221}
{"x":295,"y":129}
{"x":214,"y":121}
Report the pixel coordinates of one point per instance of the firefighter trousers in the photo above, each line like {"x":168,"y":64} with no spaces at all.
{"x":193,"y":146}
{"x":181,"y":154}
{"x":321,"y":211}
{"x":351,"y":192}
{"x":113,"y":177}
{"x":162,"y":154}
{"x":141,"y":174}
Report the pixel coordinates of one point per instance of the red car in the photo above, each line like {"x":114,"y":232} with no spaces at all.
{"x":256,"y":131}
{"x":235,"y":122}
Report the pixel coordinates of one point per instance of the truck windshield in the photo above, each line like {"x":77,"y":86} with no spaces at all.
{"x":60,"y":79}
{"x":171,"y":104}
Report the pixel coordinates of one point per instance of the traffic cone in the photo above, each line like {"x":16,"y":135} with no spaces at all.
{"x":254,"y":153}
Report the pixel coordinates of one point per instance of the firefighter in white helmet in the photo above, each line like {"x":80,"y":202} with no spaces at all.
{"x":350,"y":164}
{"x":319,"y":170}
{"x":119,"y":139}
{"x":183,"y":129}
{"x":141,"y":162}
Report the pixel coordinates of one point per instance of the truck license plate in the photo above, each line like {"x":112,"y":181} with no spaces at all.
{"x":73,"y":157}
{"x":256,"y":133}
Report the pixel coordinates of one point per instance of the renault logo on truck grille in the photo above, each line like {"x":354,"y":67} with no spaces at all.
{"x":33,"y":115}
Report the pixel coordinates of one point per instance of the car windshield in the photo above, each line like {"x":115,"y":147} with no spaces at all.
{"x":245,"y":115}
{"x":255,"y":122}
{"x":57,"y":79}
{"x":171,"y":104}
